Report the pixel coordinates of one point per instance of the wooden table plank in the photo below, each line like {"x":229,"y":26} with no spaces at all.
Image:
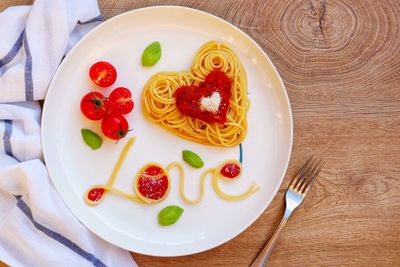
{"x":340,"y":64}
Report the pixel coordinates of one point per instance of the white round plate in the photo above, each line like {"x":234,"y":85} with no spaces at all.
{"x":74,"y":167}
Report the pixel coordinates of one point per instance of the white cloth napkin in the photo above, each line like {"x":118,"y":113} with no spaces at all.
{"x":36,"y":228}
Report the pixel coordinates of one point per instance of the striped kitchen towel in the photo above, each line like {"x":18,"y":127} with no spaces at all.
{"x":36,"y":228}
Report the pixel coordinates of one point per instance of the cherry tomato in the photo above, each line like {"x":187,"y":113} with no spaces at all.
{"x":103,"y":74}
{"x":114,"y":126}
{"x":121,"y":101}
{"x":94,"y":106}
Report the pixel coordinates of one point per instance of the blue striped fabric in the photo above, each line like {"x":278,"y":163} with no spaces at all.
{"x":95,"y":19}
{"x":56,"y":236}
{"x":7,"y":136}
{"x":13,"y":51}
{"x":28,"y":71}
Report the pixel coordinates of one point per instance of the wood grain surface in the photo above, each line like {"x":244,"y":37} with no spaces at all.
{"x":340,"y":62}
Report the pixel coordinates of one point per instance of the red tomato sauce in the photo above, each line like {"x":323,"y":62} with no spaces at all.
{"x":230,"y":170}
{"x":150,"y":185}
{"x":95,"y":194}
{"x":188,"y":97}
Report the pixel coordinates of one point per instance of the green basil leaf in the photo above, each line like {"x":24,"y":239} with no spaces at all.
{"x":192,"y":159}
{"x":169,"y":215}
{"x":91,"y":138}
{"x":151,"y":54}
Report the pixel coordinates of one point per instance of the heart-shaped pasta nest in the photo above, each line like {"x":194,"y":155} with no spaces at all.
{"x":230,"y":126}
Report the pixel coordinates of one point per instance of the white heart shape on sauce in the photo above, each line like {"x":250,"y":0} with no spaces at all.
{"x":211,"y":103}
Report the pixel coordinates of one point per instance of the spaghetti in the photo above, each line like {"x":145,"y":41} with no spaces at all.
{"x":159,"y":103}
{"x":96,"y":194}
{"x":216,"y":175}
{"x":152,"y":182}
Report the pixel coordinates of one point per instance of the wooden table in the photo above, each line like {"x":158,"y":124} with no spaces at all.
{"x":340,"y":62}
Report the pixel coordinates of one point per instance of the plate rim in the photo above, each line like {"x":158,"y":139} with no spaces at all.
{"x":220,"y":20}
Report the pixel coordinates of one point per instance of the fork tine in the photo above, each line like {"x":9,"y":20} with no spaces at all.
{"x":309,"y":174}
{"x":313,"y":177}
{"x":309,"y":170}
{"x":301,"y":172}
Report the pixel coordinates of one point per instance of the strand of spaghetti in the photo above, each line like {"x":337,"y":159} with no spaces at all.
{"x":120,"y":193}
{"x":182,"y":182}
{"x":251,"y":190}
{"x":120,"y":160}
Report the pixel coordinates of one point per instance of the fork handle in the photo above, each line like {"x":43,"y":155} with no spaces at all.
{"x":262,"y":258}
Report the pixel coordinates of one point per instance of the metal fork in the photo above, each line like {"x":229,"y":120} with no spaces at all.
{"x":295,"y":194}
